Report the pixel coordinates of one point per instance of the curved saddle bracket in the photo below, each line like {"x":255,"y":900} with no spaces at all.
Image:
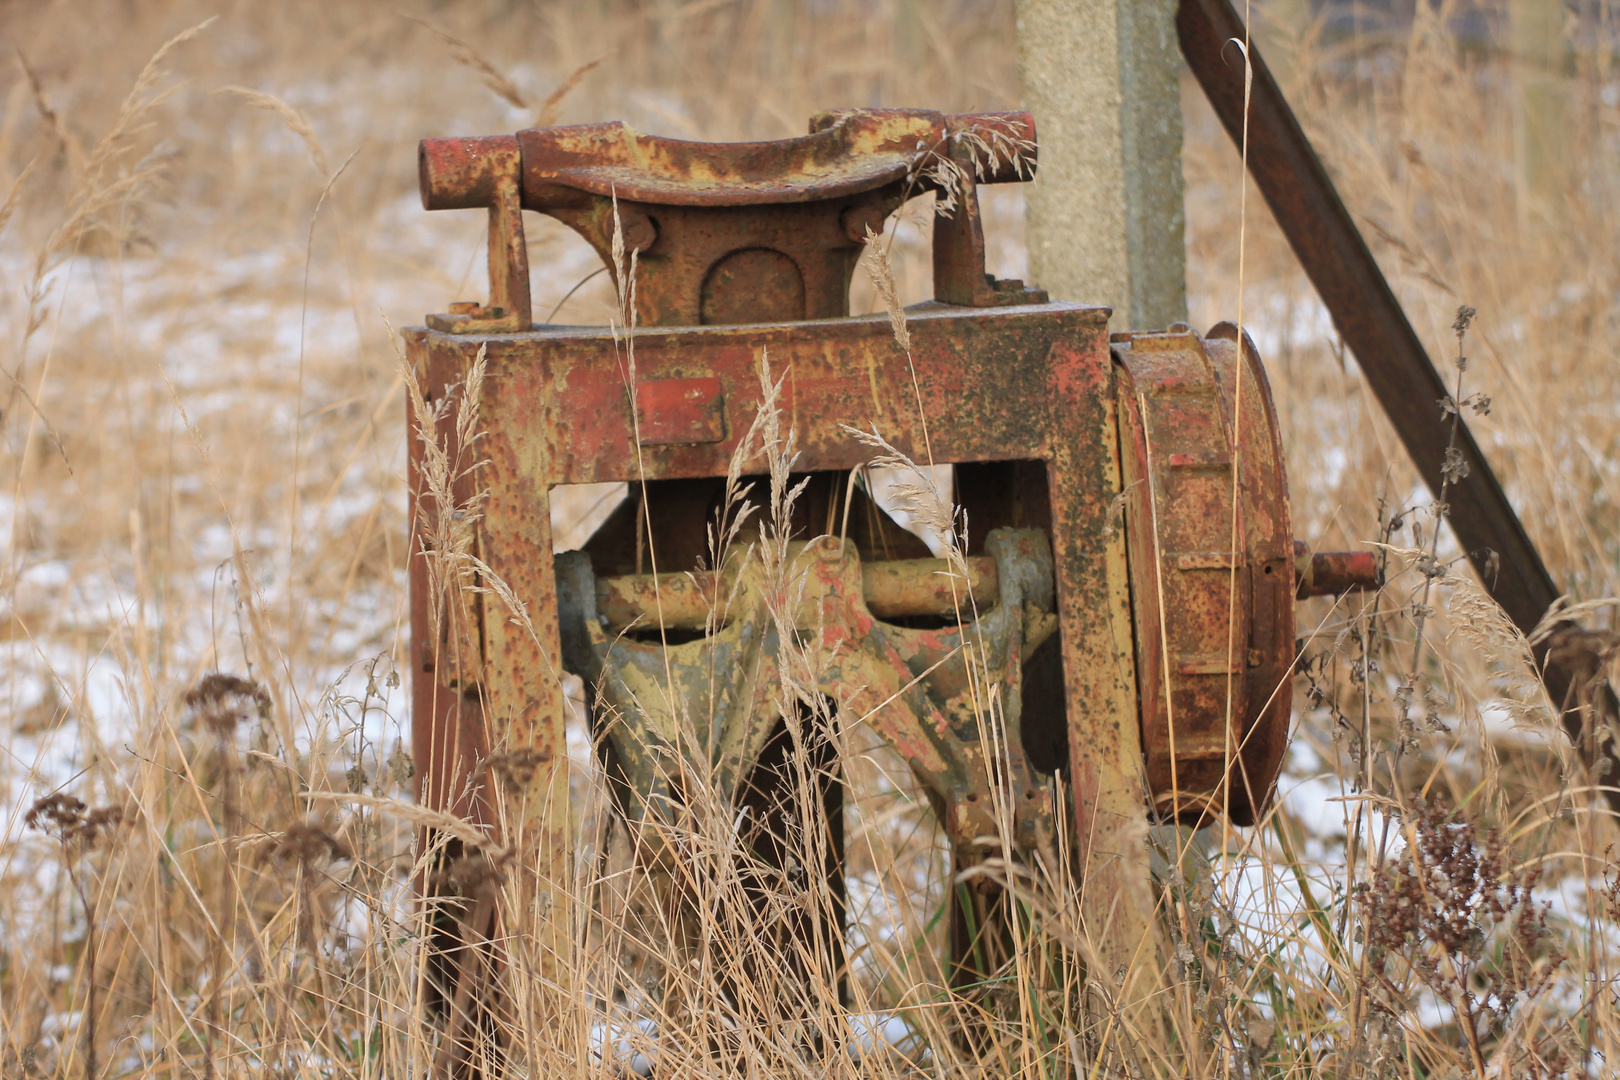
{"x":728,"y":233}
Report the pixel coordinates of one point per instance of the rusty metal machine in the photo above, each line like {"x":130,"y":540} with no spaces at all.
{"x":1127,"y":570}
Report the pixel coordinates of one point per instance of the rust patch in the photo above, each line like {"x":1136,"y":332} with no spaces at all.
{"x":1333,"y":573}
{"x":680,"y":411}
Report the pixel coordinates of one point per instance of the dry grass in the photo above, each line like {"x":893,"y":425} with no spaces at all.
{"x":202,"y":449}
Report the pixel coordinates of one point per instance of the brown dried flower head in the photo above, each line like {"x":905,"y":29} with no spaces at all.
{"x":220,"y":702}
{"x":1465,"y":318}
{"x":307,"y":844}
{"x":1454,"y":905}
{"x":55,"y":812}
{"x":66,"y":818}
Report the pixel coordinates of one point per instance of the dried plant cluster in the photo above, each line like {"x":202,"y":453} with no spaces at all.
{"x":208,"y":230}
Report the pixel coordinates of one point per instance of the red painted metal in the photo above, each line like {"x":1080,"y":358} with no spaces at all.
{"x":670,"y":411}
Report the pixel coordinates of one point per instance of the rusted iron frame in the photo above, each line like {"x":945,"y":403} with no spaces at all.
{"x":968,"y":362}
{"x":683,"y":417}
{"x":451,"y":743}
{"x":1370,"y":319}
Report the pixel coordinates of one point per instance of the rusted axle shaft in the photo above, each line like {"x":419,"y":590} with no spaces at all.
{"x":893,"y":589}
{"x":1332,"y":573}
{"x":900,"y":588}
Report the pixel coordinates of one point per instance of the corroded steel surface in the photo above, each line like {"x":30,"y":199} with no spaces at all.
{"x":1127,"y":580}
{"x":1212,"y":568}
{"x":563,"y":414}
{"x":483,"y":172}
{"x":727,"y":233}
{"x":1333,"y":573}
{"x":563,"y":389}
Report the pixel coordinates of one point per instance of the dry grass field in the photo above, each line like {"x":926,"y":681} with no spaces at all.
{"x":208,"y":225}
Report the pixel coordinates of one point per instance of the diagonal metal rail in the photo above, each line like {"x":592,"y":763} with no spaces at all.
{"x":1372,"y":322}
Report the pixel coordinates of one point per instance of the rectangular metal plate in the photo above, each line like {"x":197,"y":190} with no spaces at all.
{"x":674,"y":411}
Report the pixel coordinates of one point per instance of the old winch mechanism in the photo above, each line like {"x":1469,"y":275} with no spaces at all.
{"x":1129,"y":575}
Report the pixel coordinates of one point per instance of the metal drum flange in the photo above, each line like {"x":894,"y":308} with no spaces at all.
{"x":1211,"y":566}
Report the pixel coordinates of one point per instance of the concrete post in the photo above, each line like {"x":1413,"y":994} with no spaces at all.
{"x":1106,"y":224}
{"x":1106,"y":218}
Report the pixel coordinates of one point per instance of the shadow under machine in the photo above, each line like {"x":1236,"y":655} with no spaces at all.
{"x":1127,"y":572}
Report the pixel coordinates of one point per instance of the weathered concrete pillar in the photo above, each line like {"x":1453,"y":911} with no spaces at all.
{"x":1106,"y":224}
{"x":1106,"y":218}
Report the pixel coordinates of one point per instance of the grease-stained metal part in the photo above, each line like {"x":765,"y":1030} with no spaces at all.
{"x":893,"y":588}
{"x":1212,"y":569}
{"x":726,"y":233}
{"x":1334,"y":573}
{"x":920,"y":690}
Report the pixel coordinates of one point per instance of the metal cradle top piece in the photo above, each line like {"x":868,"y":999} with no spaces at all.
{"x":724,"y":232}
